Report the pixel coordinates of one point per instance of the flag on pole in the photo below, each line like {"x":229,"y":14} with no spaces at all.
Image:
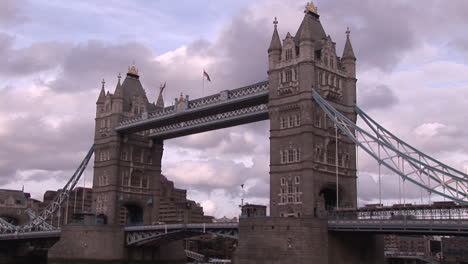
{"x":206,"y":75}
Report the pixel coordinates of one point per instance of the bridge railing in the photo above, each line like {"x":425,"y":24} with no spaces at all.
{"x":407,"y":212}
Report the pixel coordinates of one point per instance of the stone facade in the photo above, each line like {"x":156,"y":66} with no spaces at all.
{"x":282,"y":240}
{"x":127,"y":168}
{"x":302,"y":139}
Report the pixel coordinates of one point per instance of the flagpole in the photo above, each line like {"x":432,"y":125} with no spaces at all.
{"x":203,"y":80}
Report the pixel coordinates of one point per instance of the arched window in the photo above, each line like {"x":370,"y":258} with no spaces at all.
{"x":331,"y":153}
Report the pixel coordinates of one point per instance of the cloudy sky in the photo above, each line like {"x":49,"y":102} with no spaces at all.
{"x":412,"y":71}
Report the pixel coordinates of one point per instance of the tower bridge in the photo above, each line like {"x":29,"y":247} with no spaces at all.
{"x":310,"y":102}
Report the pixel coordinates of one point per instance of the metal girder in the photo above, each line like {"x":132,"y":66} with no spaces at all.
{"x":147,"y":235}
{"x":429,"y":227}
{"x":224,"y":101}
{"x":399,"y":157}
{"x":211,"y":122}
{"x":38,"y":222}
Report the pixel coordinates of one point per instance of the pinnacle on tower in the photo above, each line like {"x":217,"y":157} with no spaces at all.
{"x":160,"y":101}
{"x":118,"y":89}
{"x":348,"y":52}
{"x":102,"y":94}
{"x":275,"y":39}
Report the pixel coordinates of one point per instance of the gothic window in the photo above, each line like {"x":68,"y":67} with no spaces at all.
{"x":282,"y":201}
{"x":290,"y":155}
{"x":294,"y":154}
{"x":292,"y":121}
{"x":125,"y":178}
{"x":290,"y":199}
{"x":288,"y":76}
{"x":298,"y":156}
{"x":297,"y":179}
{"x":282,"y":190}
{"x":331,"y":153}
{"x":284,"y":122}
{"x":295,"y":74}
{"x":320,"y":78}
{"x":103,"y":123}
{"x":290,"y":188}
{"x":288,"y":54}
{"x":331,"y":63}
{"x":297,"y":189}
{"x":298,"y":120}
{"x":298,"y":200}
{"x":283,"y":156}
{"x":283,"y":181}
{"x":123,"y":155}
{"x":135,"y":180}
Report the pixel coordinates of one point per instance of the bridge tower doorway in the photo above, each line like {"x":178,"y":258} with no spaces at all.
{"x":132,"y":214}
{"x":328,"y":194}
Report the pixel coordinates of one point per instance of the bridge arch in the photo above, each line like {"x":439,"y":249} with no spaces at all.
{"x":327,"y":196}
{"x":132,"y":213}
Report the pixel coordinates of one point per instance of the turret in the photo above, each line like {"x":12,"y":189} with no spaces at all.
{"x":117,"y":106}
{"x":101,"y":99}
{"x":160,"y":101}
{"x":274,"y":51}
{"x":348,"y":60}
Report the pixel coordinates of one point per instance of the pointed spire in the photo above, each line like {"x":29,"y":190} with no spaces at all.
{"x":275,"y":40}
{"x":348,"y":52}
{"x":160,"y":101}
{"x":118,"y":89}
{"x":102,"y":94}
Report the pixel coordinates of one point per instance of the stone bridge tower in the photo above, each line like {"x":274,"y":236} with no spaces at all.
{"x":127,"y":168}
{"x":303,"y":156}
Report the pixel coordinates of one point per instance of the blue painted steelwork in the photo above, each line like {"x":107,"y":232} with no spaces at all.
{"x":446,"y":181}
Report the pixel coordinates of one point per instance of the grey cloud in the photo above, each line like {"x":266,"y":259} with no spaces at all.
{"x":379,"y":97}
{"x":10,"y":12}
{"x":32,"y":145}
{"x":86,"y":64}
{"x":33,"y":59}
{"x":382,"y":31}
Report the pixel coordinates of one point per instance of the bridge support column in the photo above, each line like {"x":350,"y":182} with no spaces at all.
{"x":98,"y":242}
{"x":278,"y":240}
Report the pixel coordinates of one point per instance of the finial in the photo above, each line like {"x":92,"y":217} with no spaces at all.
{"x":348,"y":31}
{"x":275,"y":22}
{"x":119,"y":76}
{"x":310,"y":7}
{"x":103,"y":83}
{"x":133,"y":70}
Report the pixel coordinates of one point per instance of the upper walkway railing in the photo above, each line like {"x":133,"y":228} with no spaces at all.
{"x":184,"y":109}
